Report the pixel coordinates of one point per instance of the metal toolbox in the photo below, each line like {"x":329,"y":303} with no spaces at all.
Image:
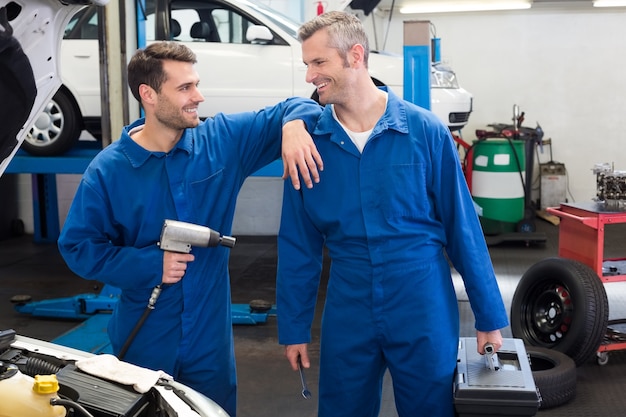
{"x":494,"y":385}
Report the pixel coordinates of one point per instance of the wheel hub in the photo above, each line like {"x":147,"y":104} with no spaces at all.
{"x":43,"y":121}
{"x":551,"y":314}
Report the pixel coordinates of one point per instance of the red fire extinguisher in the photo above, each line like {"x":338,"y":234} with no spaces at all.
{"x":320,"y":7}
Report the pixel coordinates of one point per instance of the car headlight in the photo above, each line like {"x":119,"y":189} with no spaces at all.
{"x":443,"y":77}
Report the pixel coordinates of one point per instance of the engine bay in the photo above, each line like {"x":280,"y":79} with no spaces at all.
{"x":82,"y":394}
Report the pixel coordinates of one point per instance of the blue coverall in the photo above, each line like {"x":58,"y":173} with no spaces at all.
{"x":388,"y":217}
{"x":113,"y":226}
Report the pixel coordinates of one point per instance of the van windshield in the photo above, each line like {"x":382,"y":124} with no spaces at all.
{"x":285,"y":22}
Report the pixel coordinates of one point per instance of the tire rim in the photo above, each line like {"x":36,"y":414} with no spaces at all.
{"x":549,"y":314}
{"x":47,"y":127}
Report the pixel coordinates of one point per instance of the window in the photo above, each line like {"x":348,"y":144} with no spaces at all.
{"x":83,"y":25}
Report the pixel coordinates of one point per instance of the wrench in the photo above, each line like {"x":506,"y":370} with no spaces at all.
{"x":305,"y":390}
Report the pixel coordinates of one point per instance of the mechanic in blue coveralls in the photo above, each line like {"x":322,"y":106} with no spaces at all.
{"x":172,"y":166}
{"x":391,"y":203}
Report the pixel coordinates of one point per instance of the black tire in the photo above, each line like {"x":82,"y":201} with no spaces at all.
{"x":555,"y":376}
{"x":561,"y":304}
{"x":526,"y":226}
{"x":56,"y":130}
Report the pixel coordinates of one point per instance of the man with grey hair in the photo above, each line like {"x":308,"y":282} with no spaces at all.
{"x":391,"y":208}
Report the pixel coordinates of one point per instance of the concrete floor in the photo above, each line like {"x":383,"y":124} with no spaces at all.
{"x":267,"y":386}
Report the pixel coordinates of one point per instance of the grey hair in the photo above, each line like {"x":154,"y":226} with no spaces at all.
{"x":344,"y":30}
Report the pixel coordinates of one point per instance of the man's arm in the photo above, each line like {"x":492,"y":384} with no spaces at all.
{"x":298,"y":149}
{"x":299,"y":153}
{"x":300,"y":262}
{"x":260,"y":135}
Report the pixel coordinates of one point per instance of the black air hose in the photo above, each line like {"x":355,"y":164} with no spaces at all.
{"x":36,"y":366}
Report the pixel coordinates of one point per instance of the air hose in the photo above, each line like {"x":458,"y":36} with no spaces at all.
{"x":151,"y":302}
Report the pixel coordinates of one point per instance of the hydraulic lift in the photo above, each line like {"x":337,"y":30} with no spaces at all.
{"x":95,"y":311}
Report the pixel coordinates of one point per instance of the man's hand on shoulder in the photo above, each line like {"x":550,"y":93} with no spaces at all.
{"x":300,"y":155}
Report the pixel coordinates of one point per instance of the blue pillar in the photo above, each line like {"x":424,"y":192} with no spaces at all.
{"x":417,"y":63}
{"x":141,"y":24}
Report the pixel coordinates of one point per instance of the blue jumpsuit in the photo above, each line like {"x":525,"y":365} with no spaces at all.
{"x":388,"y":217}
{"x":113,"y":226}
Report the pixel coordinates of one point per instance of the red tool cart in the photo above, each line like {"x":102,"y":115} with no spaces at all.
{"x":561,"y":302}
{"x":581,"y":238}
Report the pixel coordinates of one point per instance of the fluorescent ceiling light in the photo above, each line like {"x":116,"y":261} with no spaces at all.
{"x":609,"y":3}
{"x":463,"y":6}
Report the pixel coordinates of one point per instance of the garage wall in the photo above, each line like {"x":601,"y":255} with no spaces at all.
{"x":563,"y":66}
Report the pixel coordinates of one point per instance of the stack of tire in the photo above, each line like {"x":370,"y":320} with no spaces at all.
{"x":560,"y":310}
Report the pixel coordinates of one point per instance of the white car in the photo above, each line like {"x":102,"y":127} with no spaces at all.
{"x":248,"y":58}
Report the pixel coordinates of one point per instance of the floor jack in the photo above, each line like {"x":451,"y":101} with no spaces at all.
{"x":95,"y":311}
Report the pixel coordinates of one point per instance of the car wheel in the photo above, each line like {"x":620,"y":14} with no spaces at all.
{"x":561,"y":304}
{"x":554,"y":374}
{"x":56,"y":130}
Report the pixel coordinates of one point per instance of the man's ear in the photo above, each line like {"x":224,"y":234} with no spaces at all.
{"x":356,"y":54}
{"x":147,"y":94}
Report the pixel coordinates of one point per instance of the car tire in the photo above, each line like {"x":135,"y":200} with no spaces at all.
{"x":56,"y":130}
{"x":561,"y":304}
{"x":554,"y":374}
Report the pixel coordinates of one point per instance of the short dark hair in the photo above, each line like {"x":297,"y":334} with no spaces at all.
{"x":146,"y":65}
{"x":344,"y":29}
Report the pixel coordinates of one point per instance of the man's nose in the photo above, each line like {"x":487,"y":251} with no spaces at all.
{"x":310,"y":75}
{"x":198,"y":95}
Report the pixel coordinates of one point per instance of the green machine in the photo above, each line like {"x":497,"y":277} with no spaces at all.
{"x":498,"y":170}
{"x":498,"y":184}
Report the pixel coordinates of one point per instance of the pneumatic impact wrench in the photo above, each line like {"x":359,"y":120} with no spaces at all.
{"x":177,"y":236}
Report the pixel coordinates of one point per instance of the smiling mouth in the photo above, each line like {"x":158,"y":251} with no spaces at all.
{"x":321,"y":85}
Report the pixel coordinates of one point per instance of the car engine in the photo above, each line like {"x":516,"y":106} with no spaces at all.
{"x":79,"y":393}
{"x":610,"y":185}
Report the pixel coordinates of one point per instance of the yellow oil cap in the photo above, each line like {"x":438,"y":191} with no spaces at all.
{"x":46,"y":384}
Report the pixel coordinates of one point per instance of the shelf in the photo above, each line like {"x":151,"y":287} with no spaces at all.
{"x":74,"y":161}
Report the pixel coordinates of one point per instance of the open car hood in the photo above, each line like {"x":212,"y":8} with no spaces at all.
{"x":30,"y":40}
{"x":22,"y":359}
{"x":365,"y":6}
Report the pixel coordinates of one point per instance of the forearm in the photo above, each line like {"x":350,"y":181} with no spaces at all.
{"x":121,"y":267}
{"x":299,"y":152}
{"x":307,"y":110}
{"x":93,"y":248}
